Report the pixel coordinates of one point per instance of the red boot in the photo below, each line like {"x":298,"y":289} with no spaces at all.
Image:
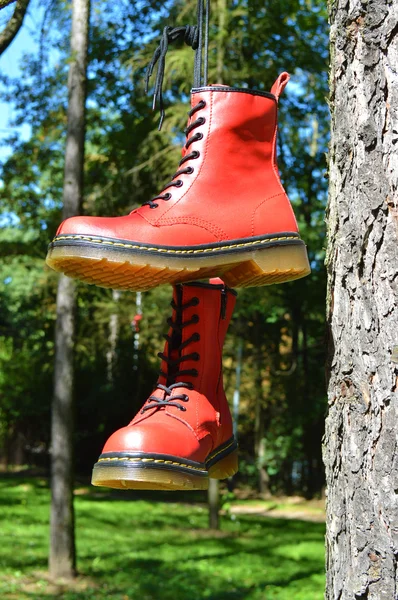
{"x":183,"y":434}
{"x":225,"y":212}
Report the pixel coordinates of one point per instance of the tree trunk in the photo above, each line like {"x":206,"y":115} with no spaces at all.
{"x":222,"y":12}
{"x":62,"y":539}
{"x":360,"y":450}
{"x":113,"y":337}
{"x":213,"y":496}
{"x":263,"y":479}
{"x":259,"y":420}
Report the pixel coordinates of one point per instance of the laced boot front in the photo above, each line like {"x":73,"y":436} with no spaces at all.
{"x":183,"y":433}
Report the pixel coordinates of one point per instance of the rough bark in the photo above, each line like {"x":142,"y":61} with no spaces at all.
{"x":14,"y":24}
{"x":62,"y":540}
{"x":360,"y":450}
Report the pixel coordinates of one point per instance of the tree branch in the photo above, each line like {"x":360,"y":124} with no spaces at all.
{"x":14,"y":24}
{"x":4,"y":3}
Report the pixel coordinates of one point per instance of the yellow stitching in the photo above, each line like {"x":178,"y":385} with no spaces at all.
{"x":164,"y":250}
{"x":158,"y":460}
{"x":219,"y":452}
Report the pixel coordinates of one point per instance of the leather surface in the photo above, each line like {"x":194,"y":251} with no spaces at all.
{"x":234,"y":191}
{"x":207,"y":422}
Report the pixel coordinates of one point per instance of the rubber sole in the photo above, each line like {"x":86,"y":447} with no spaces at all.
{"x":122,"y":265}
{"x":147,"y":471}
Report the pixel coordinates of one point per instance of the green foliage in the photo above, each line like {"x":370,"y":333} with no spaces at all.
{"x":136,"y":546}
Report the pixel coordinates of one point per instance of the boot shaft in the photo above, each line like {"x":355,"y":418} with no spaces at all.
{"x":229,"y":182}
{"x":198,"y":326}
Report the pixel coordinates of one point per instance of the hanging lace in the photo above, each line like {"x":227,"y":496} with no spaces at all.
{"x":192,"y":36}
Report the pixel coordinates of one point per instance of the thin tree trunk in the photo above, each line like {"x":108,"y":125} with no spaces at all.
{"x":360,"y":450}
{"x":221,"y":38}
{"x":259,"y":420}
{"x":113,"y":337}
{"x":213,"y":496}
{"x":263,"y":480}
{"x":62,"y":538}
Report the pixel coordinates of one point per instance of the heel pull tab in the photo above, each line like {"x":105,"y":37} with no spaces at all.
{"x":280,"y":85}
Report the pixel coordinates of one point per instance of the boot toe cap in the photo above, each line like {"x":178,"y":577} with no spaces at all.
{"x":84,"y":226}
{"x":178,"y":441}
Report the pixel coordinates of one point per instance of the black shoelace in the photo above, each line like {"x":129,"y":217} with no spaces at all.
{"x":190,"y":156}
{"x":192,"y":36}
{"x":174,"y":371}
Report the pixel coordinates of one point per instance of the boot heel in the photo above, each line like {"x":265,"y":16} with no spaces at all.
{"x":270,"y":265}
{"x":226,"y":467}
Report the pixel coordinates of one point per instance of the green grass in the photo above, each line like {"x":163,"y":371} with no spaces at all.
{"x":143,"y":548}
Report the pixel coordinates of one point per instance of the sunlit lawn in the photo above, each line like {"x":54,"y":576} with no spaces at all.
{"x":140,"y":549}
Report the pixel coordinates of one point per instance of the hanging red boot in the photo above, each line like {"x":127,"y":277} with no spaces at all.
{"x":183,"y":434}
{"x":225,"y":212}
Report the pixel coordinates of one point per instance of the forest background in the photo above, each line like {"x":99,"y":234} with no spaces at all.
{"x":279,"y":329}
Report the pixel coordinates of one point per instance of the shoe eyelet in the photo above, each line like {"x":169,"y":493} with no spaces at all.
{"x":179,"y":183}
{"x":196,"y":356}
{"x":203,"y":103}
{"x":195,"y":301}
{"x":195,"y":318}
{"x":154,"y":206}
{"x":196,"y":153}
{"x":186,"y":398}
{"x":182,"y":408}
{"x":167,"y":196}
{"x":190,"y":170}
{"x":201,"y":121}
{"x":195,"y":372}
{"x":197,"y":337}
{"x":199,"y":136}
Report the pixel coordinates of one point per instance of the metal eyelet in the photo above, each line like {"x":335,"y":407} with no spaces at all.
{"x":199,"y":136}
{"x":201,"y":121}
{"x":196,"y":153}
{"x":154,"y":206}
{"x":179,"y":183}
{"x":190,"y":170}
{"x":167,"y":196}
{"x":195,"y":301}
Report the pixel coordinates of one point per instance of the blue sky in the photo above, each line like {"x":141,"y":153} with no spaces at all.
{"x":9,"y":65}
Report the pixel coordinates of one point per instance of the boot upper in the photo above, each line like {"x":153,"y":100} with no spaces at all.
{"x":229,"y":187}
{"x":192,"y":419}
